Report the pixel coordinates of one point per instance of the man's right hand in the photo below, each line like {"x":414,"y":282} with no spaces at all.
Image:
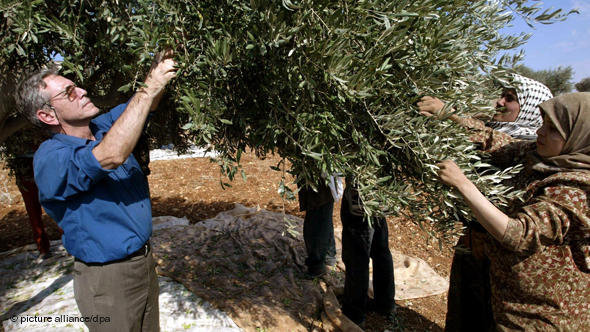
{"x":430,"y":106}
{"x":162,"y":71}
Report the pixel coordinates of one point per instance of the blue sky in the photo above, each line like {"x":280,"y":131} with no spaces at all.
{"x":564,"y":43}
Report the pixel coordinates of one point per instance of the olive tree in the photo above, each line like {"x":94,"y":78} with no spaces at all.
{"x":330,"y":86}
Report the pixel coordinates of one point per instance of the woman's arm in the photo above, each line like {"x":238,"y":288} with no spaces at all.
{"x":489,"y":216}
{"x":559,"y":207}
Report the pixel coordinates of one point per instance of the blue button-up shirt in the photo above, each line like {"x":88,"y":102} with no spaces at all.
{"x":105,"y":214}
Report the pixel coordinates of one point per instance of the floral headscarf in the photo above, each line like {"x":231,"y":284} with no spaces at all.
{"x":570,"y":113}
{"x":530,"y":94}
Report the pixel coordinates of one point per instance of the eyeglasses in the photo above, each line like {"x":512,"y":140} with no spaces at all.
{"x":69,"y":92}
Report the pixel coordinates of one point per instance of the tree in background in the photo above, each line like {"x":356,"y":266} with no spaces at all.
{"x":331,"y":86}
{"x":583,"y":85}
{"x":558,"y":80}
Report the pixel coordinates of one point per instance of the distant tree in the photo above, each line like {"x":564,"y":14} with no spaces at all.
{"x":583,"y":85}
{"x":557,"y":80}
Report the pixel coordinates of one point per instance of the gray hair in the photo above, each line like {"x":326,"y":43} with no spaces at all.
{"x":29,"y":97}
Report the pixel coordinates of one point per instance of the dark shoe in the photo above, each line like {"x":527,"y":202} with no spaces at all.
{"x":316,"y":272}
{"x":360,"y":321}
{"x":385,"y":312}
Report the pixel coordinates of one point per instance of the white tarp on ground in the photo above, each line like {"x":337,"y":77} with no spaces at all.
{"x":251,"y":266}
{"x":414,"y":278}
{"x":166,"y":153}
{"x":45,"y":289}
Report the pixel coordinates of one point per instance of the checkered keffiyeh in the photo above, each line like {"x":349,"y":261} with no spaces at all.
{"x":530,"y":94}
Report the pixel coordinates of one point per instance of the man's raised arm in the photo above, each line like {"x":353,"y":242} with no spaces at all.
{"x":120,"y":140}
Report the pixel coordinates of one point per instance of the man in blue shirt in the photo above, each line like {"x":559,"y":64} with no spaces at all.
{"x":91,"y":184}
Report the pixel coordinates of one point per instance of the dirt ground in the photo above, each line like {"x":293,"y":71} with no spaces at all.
{"x":190,"y":188}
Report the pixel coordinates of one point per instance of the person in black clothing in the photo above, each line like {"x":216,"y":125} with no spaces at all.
{"x":318,"y":228}
{"x":362,"y":241}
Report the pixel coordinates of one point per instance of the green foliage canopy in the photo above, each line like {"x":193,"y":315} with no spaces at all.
{"x":329,"y":85}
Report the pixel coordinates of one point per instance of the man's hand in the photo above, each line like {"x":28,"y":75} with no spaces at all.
{"x":451,"y":174}
{"x":162,"y":71}
{"x":430,"y":106}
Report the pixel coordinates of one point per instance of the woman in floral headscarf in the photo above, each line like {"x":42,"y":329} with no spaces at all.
{"x":539,"y":251}
{"x":517,"y":118}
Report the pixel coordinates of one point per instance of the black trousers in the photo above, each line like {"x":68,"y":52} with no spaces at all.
{"x":469,"y":306}
{"x":361,"y":242}
{"x":318,"y":234}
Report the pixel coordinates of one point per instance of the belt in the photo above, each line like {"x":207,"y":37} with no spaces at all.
{"x":143,"y":251}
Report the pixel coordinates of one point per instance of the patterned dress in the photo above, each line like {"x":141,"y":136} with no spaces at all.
{"x":540,"y":270}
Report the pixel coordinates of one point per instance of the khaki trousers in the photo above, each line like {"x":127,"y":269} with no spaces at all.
{"x":123,"y":294}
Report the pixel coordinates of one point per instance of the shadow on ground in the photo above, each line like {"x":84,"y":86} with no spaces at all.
{"x":15,"y":229}
{"x":20,"y":307}
{"x":196,"y":211}
{"x":410,"y":320}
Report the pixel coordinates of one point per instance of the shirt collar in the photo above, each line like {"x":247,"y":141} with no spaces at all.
{"x":98,"y":135}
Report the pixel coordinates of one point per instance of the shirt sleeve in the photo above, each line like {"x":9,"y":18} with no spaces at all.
{"x":503,"y":148}
{"x":488,"y":139}
{"x":546,"y":221}
{"x":471,"y":123}
{"x":64,"y":171}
